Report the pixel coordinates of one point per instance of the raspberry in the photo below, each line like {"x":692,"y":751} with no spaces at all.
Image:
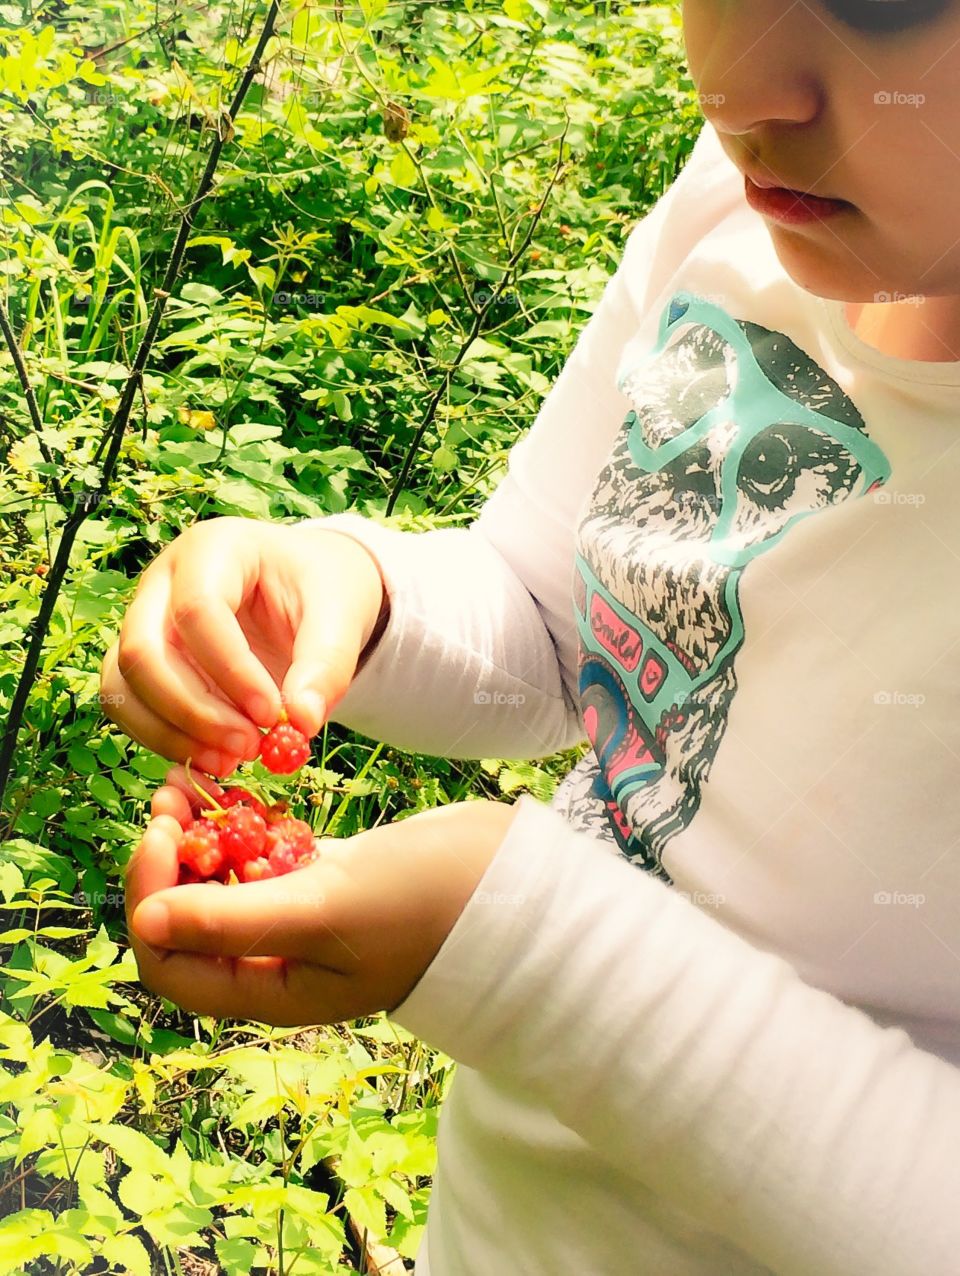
{"x":244,"y":841}
{"x":243,"y":835}
{"x":200,"y":849}
{"x":283,"y":859}
{"x":237,"y":797}
{"x":256,"y":870}
{"x":295,"y":833}
{"x":284,"y":749}
{"x":289,"y":844}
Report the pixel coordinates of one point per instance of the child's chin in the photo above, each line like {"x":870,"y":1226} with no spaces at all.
{"x":817,"y":271}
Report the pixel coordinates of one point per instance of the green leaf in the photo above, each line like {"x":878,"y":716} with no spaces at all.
{"x":81,"y":759}
{"x":11,"y":879}
{"x":237,"y":1255}
{"x":109,"y":752}
{"x":104,"y":791}
{"x":135,"y":1150}
{"x":403,"y":171}
{"x":129,"y":1254}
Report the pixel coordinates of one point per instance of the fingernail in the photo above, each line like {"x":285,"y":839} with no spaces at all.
{"x":237,"y":743}
{"x":262,"y":711}
{"x":211,"y":761}
{"x":151,"y":921}
{"x":315,"y":707}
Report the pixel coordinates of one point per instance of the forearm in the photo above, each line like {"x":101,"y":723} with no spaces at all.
{"x":782,"y":1119}
{"x":460,"y":663}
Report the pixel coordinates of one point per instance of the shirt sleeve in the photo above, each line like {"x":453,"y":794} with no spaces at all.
{"x":479,"y":655}
{"x":787,"y":1121}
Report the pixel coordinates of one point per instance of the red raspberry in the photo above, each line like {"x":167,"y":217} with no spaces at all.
{"x":295,"y":833}
{"x":200,"y":848}
{"x":256,"y":870}
{"x":236,"y":797}
{"x":284,"y":749}
{"x":243,"y":836}
{"x":290,"y":842}
{"x":283,"y":859}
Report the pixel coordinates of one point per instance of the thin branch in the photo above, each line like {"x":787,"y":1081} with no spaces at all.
{"x":189,"y":212}
{"x":85,"y":501}
{"x":475,"y":330}
{"x":31,"y":401}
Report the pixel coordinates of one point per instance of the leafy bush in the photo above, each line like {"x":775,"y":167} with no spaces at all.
{"x":413,"y":213}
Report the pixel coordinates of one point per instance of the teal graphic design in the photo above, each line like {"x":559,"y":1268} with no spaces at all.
{"x":735,"y":436}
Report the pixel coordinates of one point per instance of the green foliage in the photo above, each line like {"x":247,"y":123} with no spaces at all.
{"x":416,"y":204}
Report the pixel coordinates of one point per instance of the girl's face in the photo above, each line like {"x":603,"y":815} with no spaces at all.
{"x":856,"y":100}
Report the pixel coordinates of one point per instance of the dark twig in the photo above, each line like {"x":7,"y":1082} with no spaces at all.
{"x":15,"y":354}
{"x":475,"y":330}
{"x":83,"y":502}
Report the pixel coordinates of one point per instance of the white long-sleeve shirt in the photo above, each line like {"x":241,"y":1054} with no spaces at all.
{"x":706,"y":1004}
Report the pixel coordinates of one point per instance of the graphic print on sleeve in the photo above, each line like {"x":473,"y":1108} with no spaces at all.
{"x":734,"y":435}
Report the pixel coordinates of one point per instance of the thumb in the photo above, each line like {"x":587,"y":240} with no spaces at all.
{"x":272,"y":918}
{"x":341,"y":588}
{"x":325,"y":653}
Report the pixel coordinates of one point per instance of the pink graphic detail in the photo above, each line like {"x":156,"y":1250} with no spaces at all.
{"x":652,"y":676}
{"x":590,"y":721}
{"x":620,"y":639}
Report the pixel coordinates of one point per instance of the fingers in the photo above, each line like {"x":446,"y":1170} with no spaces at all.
{"x":324,"y":661}
{"x":155,"y":661}
{"x":122,"y":705}
{"x":269,"y":984}
{"x":171,"y":800}
{"x":152,"y":867}
{"x":267,"y":990}
{"x":188,"y":785}
{"x":334,"y":622}
{"x":216,"y":620}
{"x":207,"y":592}
{"x":279,"y":917}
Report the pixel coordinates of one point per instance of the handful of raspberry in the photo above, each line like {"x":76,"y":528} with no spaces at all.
{"x":239,"y":838}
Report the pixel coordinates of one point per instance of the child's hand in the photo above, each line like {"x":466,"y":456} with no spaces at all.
{"x":348,"y":935}
{"x":229,"y":616}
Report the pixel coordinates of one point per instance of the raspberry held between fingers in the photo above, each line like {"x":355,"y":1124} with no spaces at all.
{"x":284,"y":749}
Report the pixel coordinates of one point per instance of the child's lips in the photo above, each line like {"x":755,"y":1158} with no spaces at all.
{"x":791,"y":207}
{"x":768,"y":183}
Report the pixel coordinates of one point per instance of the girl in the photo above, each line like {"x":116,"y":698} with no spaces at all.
{"x":706,"y":1003}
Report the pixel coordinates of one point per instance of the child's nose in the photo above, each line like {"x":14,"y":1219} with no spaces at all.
{"x":754,"y":62}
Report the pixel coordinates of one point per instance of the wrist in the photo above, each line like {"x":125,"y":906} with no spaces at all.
{"x":379,"y":626}
{"x":378,"y":610}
